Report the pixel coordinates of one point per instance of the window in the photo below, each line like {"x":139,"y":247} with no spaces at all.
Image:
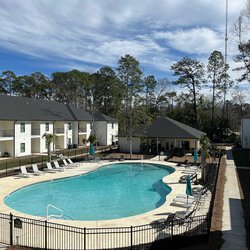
{"x":47,"y":127}
{"x":22,"y":147}
{"x":69,"y":126}
{"x":22,"y":127}
{"x":46,"y":145}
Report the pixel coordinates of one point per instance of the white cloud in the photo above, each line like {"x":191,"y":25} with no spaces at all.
{"x":101,"y":31}
{"x":195,"y":40}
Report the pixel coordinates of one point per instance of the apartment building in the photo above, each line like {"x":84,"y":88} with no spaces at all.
{"x":24,"y":121}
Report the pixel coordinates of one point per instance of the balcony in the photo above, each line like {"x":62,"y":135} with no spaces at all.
{"x":35,"y":131}
{"x":6,"y":133}
{"x":82,"y":130}
{"x":59,"y":130}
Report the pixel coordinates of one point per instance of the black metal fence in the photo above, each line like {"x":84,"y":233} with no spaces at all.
{"x":42,"y":234}
{"x":11,"y":166}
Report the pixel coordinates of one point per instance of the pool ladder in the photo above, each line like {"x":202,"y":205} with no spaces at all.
{"x":49,"y":216}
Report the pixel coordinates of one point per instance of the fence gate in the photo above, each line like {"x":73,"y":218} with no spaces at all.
{"x":5,"y":229}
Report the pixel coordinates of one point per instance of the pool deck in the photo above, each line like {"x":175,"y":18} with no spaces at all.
{"x":12,"y":183}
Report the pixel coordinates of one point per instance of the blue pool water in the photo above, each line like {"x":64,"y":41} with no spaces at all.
{"x":113,"y":191}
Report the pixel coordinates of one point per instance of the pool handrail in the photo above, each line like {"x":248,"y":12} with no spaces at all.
{"x":54,"y":215}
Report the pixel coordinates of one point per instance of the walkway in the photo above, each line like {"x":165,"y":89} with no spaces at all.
{"x":233,"y":228}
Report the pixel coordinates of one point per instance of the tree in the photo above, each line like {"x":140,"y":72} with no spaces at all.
{"x":241,"y":28}
{"x":41,"y":87}
{"x":149,"y":85}
{"x":130,"y":75}
{"x":23,"y":86}
{"x":49,"y":138}
{"x":241,"y":33}
{"x":73,"y":87}
{"x":190,"y":73}
{"x":215,"y":69}
{"x":244,"y":58}
{"x":239,"y":97}
{"x":107,"y":91}
{"x":205,"y":146}
{"x":7,"y":81}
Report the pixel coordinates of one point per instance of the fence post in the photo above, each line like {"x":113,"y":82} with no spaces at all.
{"x":131,"y":237}
{"x":84,"y":237}
{"x":11,"y":229}
{"x":46,"y":235}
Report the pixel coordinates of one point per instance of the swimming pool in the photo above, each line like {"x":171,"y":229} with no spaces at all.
{"x":113,"y":191}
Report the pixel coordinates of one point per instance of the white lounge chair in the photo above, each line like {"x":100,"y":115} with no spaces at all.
{"x":36,"y":171}
{"x":73,"y":163}
{"x":49,"y":168}
{"x":180,"y":202}
{"x":67,"y":165}
{"x":24,"y":172}
{"x":57,"y":166}
{"x":184,"y":196}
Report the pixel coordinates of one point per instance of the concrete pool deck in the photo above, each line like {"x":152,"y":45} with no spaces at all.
{"x":12,"y":183}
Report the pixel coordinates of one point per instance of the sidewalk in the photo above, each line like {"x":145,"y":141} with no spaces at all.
{"x":233,"y":228}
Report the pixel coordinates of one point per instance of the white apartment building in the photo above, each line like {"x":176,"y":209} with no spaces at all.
{"x":24,"y":121}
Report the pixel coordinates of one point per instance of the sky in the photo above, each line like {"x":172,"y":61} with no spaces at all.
{"x":61,"y":35}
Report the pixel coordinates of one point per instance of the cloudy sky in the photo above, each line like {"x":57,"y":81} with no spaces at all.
{"x":60,"y":35}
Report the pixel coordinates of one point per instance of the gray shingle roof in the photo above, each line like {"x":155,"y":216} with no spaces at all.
{"x":102,"y":117}
{"x":165,"y":127}
{"x":81,"y":115}
{"x":29,"y":109}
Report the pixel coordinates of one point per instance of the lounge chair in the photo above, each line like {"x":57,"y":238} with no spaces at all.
{"x":189,"y":171}
{"x":36,"y":171}
{"x":199,"y":191}
{"x":24,"y":172}
{"x":76,"y":164}
{"x":183,"y":179}
{"x":49,"y":168}
{"x":182,"y":202}
{"x":184,"y":215}
{"x":57,"y":166}
{"x":67,"y":165}
{"x":184,"y":196}
{"x":184,"y":163}
{"x":163,"y":223}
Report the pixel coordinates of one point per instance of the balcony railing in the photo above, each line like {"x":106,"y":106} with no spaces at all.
{"x":59,"y":130}
{"x":6,"y":133}
{"x":82,"y":130}
{"x":35,"y":131}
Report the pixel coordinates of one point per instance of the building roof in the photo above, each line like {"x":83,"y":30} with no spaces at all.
{"x":79,"y":114}
{"x":165,"y":127}
{"x":102,"y":117}
{"x":29,"y":109}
